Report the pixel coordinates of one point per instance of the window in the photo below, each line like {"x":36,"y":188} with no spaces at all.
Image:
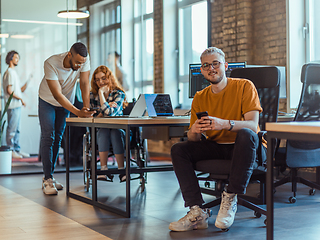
{"x":105,"y":32}
{"x":143,"y":46}
{"x":192,"y":41}
{"x":303,"y":38}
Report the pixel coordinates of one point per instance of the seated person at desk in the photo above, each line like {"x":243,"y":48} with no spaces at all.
{"x":231,"y":127}
{"x":109,"y":98}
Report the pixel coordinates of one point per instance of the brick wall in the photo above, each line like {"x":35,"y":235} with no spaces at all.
{"x":158,"y":47}
{"x":250,"y":30}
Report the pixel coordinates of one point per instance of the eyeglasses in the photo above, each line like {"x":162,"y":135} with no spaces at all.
{"x":99,"y":79}
{"x":214,"y":64}
{"x":78,"y":64}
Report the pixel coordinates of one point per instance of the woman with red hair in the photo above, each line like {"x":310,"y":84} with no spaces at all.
{"x":108,"y":97}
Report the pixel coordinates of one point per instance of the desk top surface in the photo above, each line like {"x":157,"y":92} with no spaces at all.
{"x":79,"y":120}
{"x":142,"y":120}
{"x":294,"y":127}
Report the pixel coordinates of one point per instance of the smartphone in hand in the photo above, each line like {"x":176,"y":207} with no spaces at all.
{"x":201,"y":114}
{"x":94,"y":108}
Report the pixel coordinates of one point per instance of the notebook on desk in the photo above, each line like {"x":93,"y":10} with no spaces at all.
{"x":152,"y":105}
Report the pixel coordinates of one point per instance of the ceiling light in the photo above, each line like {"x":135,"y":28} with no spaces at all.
{"x":41,"y":22}
{"x":4,"y":35}
{"x":22,"y":36}
{"x":73,"y":14}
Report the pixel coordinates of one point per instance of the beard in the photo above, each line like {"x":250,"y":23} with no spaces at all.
{"x":216,"y":81}
{"x":15,"y":64}
{"x":72,"y":67}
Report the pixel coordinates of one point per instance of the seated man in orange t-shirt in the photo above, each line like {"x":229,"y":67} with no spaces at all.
{"x":231,"y":127}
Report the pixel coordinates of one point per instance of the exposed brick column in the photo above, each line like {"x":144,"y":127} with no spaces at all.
{"x":158,"y":47}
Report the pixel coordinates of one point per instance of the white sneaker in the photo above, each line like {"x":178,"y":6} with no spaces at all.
{"x":23,"y":154}
{"x":48,"y":187}
{"x":228,"y":209}
{"x":196,"y":218}
{"x":16,"y":155}
{"x":58,"y":185}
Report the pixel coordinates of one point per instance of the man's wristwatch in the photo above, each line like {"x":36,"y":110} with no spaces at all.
{"x":231,"y":122}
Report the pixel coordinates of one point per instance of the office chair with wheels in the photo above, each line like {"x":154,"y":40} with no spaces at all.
{"x":137,"y":146}
{"x":266,"y":80}
{"x":303,"y":154}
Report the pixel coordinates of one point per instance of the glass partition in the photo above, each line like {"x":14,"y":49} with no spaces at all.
{"x":33,"y":29}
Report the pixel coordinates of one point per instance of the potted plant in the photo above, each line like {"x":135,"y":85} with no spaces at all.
{"x":5,"y":151}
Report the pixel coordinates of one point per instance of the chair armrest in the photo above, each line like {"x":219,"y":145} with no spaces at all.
{"x":261,"y":135}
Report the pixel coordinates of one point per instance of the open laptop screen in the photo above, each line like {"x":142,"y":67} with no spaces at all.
{"x":154,"y":104}
{"x":158,"y":105}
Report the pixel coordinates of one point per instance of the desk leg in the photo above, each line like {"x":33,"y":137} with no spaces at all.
{"x":318,"y":175}
{"x":67,"y":159}
{"x":94,"y":165}
{"x":269,"y":196}
{"x":128,"y":171}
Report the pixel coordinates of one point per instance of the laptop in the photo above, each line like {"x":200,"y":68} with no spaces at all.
{"x":153,"y":105}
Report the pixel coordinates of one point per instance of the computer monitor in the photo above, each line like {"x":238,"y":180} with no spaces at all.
{"x":197,"y":81}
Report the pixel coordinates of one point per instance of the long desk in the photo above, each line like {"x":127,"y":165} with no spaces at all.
{"x":306,"y":131}
{"x":117,"y":123}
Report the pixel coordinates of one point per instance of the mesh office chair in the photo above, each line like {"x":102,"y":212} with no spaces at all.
{"x":303,"y":154}
{"x":266,"y":80}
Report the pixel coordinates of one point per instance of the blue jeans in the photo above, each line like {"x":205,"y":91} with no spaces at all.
{"x":107,"y":136}
{"x":13,"y":128}
{"x":52,"y":122}
{"x":242,"y":154}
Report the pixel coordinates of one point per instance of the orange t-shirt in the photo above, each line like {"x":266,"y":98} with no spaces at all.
{"x":237,"y":98}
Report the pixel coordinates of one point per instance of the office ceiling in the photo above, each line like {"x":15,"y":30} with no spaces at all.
{"x":34,"y":10}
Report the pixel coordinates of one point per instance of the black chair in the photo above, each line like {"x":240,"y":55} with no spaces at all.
{"x":266,"y":81}
{"x":303,"y":154}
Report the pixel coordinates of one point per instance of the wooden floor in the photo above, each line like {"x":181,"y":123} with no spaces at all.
{"x":26,"y":213}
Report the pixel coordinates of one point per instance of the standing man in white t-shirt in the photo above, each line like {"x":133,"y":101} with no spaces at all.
{"x":11,"y":84}
{"x":56,"y":97}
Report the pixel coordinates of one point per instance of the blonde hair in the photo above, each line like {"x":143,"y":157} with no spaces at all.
{"x":113,"y":82}
{"x":212,"y":50}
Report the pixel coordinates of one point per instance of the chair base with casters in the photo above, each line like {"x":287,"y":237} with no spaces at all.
{"x":290,"y":157}
{"x":294,"y":179}
{"x":139,"y":151}
{"x":221,"y":180}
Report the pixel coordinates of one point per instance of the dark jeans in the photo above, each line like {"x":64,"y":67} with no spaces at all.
{"x":52,"y":122}
{"x":242,"y":154}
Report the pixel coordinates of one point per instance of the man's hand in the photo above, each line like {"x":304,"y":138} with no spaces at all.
{"x":208,"y":123}
{"x":85,"y":113}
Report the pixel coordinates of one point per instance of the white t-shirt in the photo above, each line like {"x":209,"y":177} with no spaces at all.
{"x":54,"y":70}
{"x":11,"y":77}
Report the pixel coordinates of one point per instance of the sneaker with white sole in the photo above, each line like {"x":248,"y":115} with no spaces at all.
{"x":48,"y":187}
{"x":58,"y":185}
{"x":24,"y":155}
{"x":16,"y":155}
{"x":227,"y":212}
{"x":196,"y":218}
